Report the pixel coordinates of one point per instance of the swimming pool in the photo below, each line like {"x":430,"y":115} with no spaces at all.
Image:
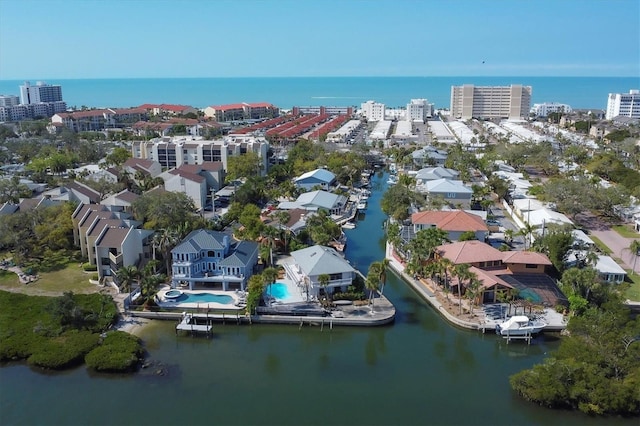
{"x":205,"y":298}
{"x":277,"y":290}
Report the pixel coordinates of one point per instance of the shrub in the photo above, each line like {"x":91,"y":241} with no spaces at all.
{"x":64,"y":351}
{"x":118,"y":352}
{"x":95,"y":277}
{"x":87,"y":267}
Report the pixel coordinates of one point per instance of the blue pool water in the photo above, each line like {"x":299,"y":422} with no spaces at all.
{"x":205,"y":298}
{"x":277,"y":290}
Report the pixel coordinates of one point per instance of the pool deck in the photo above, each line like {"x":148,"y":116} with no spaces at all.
{"x":382,"y":312}
{"x":169,"y":303}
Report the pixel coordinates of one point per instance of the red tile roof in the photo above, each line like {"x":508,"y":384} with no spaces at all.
{"x":469,"y":252}
{"x":524,"y":257}
{"x":455,"y":220}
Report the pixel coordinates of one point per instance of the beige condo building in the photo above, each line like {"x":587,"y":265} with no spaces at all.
{"x":469,"y":101}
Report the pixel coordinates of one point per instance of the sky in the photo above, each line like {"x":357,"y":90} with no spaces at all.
{"x":284,"y":38}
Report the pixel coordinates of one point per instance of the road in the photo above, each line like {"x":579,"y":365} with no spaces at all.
{"x":619,"y":245}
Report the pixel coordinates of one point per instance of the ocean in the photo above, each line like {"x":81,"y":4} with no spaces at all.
{"x":286,"y":92}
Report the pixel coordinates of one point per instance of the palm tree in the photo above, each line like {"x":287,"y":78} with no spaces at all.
{"x":323,"y":280}
{"x":127,"y":275}
{"x":382,"y":273}
{"x":283,"y":216}
{"x":508,"y":236}
{"x":463,"y":274}
{"x":472,"y":292}
{"x":165,"y":240}
{"x":527,"y":233}
{"x":634,"y":248}
{"x":269,"y":276}
{"x":371,"y":283}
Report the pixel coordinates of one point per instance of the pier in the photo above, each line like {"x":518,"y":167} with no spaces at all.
{"x":194,"y":324}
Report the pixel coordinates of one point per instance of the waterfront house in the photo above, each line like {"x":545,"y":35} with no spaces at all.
{"x":310,"y":263}
{"x":333,"y":204}
{"x":454,"y":222}
{"x":500,"y":272}
{"x":318,"y":178}
{"x":453,"y":192}
{"x":213,"y":259}
{"x":118,"y":247}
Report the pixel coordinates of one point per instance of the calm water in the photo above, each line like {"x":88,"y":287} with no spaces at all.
{"x":285,"y":92}
{"x":417,"y":371}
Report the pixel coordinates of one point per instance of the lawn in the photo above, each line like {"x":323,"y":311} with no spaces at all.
{"x":70,"y":278}
{"x":625,"y":231}
{"x":603,"y":248}
{"x":633,"y":293}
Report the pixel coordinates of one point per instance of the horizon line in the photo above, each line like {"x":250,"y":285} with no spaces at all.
{"x":327,"y":76}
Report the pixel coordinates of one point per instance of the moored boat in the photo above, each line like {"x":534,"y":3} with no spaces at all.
{"x":520,"y":325}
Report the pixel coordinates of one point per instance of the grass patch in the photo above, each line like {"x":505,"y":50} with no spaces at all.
{"x":625,"y":231}
{"x":601,"y":246}
{"x":55,"y":282}
{"x":633,"y":292}
{"x":65,"y":331}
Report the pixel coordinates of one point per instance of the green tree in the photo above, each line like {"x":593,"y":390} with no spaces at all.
{"x":163,"y":209}
{"x":117,"y":157}
{"x":244,"y":166}
{"x":556,"y":244}
{"x":634,"y":248}
{"x":323,"y":281}
{"x":127,"y":276}
{"x":11,"y":190}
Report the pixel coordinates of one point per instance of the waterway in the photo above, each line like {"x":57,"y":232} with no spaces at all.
{"x":417,"y":371}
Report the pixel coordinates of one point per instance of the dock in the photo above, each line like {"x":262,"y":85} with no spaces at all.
{"x":194,"y":324}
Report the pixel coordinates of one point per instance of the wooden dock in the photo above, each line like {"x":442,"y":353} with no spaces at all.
{"x":194,"y":325}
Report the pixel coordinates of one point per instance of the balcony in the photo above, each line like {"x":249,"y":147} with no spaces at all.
{"x":115,"y":259}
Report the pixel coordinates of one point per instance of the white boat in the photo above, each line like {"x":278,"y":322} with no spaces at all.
{"x":349,"y":225}
{"x":393,"y":179}
{"x":362,"y":205}
{"x":520,"y":325}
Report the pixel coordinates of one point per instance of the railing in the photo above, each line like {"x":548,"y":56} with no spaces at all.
{"x":115,"y":258}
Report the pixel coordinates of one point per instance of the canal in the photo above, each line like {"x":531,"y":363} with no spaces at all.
{"x":417,"y":371}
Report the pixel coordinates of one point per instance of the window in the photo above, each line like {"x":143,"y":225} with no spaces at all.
{"x":531,"y":266}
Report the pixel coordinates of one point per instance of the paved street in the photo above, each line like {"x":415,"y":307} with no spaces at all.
{"x":619,"y":246}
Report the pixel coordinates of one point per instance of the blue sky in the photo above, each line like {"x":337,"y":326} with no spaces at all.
{"x":246,"y":38}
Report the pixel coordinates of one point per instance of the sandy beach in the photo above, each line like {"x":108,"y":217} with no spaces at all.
{"x":132,"y":325}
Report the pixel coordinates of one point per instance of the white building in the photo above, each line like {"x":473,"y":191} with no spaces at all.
{"x":41,"y":92}
{"x":174,"y":152}
{"x":9,"y":100}
{"x":373,"y":111}
{"x":623,"y":104}
{"x":544,"y":109}
{"x":469,"y":101}
{"x":419,"y":110}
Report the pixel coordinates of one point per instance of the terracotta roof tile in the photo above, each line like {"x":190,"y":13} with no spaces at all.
{"x":454,"y":220}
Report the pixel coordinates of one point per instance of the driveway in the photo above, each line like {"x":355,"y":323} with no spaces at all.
{"x":618,"y":244}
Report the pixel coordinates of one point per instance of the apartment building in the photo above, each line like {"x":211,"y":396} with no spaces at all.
{"x":544,"y":109}
{"x":174,"y":152}
{"x":419,"y":110}
{"x":623,"y":105}
{"x":469,"y":101}
{"x":41,"y":92}
{"x":241,"y":111}
{"x":373,"y":111}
